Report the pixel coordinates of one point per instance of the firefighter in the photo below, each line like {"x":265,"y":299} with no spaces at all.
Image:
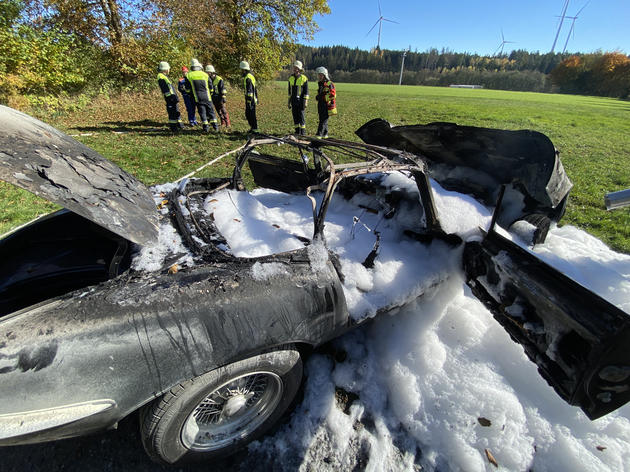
{"x":201,"y":87}
{"x":326,"y":101}
{"x":298,"y":97}
{"x":189,"y":100}
{"x":251,"y":96}
{"x":218,"y":95}
{"x":174,"y":121}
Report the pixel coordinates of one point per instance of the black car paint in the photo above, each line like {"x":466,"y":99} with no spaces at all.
{"x":162,"y":329}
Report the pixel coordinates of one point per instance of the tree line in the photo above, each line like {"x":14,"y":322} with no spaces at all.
{"x":600,"y":73}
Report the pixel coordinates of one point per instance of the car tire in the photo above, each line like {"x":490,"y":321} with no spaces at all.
{"x":217,"y":413}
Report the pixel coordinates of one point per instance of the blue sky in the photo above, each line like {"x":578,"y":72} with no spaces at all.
{"x":475,"y":27}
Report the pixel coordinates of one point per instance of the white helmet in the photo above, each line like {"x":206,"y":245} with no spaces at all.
{"x":195,"y":65}
{"x":210,"y":69}
{"x":244,"y":65}
{"x":164,"y":66}
{"x":299,"y":65}
{"x":322,"y":70}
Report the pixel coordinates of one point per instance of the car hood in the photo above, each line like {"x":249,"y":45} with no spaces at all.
{"x":52,"y":165}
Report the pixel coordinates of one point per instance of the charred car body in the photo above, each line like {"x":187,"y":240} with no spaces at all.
{"x":209,"y":353}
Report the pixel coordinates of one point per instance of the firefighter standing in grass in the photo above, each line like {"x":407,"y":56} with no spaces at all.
{"x":189,"y":100}
{"x":174,"y":122}
{"x":326,"y":102}
{"x":251,"y":96}
{"x":298,"y":97}
{"x":218,"y":95}
{"x":202,"y":90}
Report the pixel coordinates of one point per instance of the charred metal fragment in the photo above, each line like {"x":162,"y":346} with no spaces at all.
{"x":369,"y":260}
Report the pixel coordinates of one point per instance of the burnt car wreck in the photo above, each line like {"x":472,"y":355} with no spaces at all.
{"x":207,"y":344}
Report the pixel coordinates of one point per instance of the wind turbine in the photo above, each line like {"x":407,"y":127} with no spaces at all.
{"x":379,"y":22}
{"x":503,"y":43}
{"x":562,"y":17}
{"x":572,"y":25}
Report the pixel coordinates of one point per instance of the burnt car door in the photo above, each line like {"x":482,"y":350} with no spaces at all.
{"x":578,"y":340}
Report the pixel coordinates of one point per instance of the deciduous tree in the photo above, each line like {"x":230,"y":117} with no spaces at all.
{"x":263,"y":32}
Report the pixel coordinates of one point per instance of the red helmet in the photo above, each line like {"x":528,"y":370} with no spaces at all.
{"x":184,"y":69}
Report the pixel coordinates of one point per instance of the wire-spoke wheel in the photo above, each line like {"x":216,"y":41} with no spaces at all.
{"x":232,"y":411}
{"x":217,"y":413}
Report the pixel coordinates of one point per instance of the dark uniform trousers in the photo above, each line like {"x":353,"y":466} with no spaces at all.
{"x":218,"y":100}
{"x":250,"y":114}
{"x":322,"y":112}
{"x":297,"y":108}
{"x":298,"y":95}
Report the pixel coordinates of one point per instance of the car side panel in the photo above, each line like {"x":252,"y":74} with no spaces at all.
{"x":133,"y":338}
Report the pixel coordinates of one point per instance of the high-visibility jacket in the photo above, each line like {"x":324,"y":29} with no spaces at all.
{"x":327,"y":94}
{"x":166,"y":87}
{"x":298,"y":88}
{"x":218,"y":88}
{"x":200,"y":85}
{"x":251,"y":94}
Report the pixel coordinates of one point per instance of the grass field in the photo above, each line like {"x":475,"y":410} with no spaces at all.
{"x":592,"y":134}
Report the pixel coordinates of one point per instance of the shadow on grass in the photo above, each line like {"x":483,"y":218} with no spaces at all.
{"x":157,"y":128}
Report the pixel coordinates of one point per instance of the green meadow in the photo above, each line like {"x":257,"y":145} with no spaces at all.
{"x":591,"y":133}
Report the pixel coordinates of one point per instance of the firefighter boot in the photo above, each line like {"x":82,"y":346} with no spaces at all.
{"x":206,"y":128}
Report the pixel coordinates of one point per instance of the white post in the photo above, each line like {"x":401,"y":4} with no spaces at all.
{"x":402,"y":66}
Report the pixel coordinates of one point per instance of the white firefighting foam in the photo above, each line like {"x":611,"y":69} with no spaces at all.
{"x":439,"y":384}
